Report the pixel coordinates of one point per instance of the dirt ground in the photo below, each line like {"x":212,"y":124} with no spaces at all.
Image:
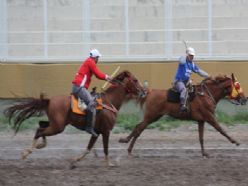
{"x":160,"y":158}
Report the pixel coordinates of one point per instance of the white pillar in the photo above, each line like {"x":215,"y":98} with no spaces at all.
{"x":3,"y":30}
{"x":45,"y":37}
{"x":126,"y":17}
{"x":86,"y":19}
{"x":210,"y":29}
{"x":168,"y":29}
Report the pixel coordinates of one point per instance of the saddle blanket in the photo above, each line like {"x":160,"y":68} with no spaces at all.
{"x":75,"y":109}
{"x":173,"y":96}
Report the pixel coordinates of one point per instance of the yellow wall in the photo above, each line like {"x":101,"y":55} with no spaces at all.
{"x":25,"y":80}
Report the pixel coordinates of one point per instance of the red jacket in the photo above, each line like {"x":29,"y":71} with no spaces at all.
{"x":86,"y":70}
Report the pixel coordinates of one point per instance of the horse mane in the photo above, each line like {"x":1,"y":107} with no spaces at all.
{"x":213,"y":79}
{"x":220,"y":77}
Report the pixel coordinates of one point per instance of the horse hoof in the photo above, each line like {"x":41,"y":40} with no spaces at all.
{"x":130,"y":155}
{"x":123,"y":140}
{"x":237,"y":144}
{"x":111,"y":165}
{"x":40,"y":146}
{"x":205,"y":156}
{"x":72,"y":166}
{"x":24,"y":157}
{"x":25,"y":154}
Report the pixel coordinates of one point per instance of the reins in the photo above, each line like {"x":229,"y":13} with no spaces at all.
{"x":112,"y":107}
{"x":203,"y":85}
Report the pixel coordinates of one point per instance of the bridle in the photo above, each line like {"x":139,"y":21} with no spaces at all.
{"x":203,"y":85}
{"x":225,"y":89}
{"x":128,"y":89}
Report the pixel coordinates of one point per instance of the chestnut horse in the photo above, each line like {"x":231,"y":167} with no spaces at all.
{"x":125,"y":86}
{"x":202,"y":107}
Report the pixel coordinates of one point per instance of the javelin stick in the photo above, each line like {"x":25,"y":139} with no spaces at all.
{"x":112,"y":75}
{"x":185,"y":44}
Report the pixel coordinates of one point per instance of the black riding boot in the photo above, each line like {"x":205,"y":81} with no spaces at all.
{"x":183,"y":107}
{"x":89,"y":124}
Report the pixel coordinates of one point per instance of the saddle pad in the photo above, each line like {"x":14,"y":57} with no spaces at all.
{"x":75,"y":109}
{"x":173,"y":96}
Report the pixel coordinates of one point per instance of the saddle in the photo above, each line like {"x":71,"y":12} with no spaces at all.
{"x":78,"y":106}
{"x":174,"y":96}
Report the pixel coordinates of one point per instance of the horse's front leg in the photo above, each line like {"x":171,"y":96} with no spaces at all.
{"x":105,"y":140}
{"x":212,"y":121}
{"x":131,"y":135}
{"x":201,"y":138}
{"x":87,"y":151}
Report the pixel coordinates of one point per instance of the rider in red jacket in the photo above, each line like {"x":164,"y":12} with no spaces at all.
{"x":81,"y":84}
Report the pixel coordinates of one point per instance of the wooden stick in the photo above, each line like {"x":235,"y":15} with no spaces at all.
{"x":112,"y":75}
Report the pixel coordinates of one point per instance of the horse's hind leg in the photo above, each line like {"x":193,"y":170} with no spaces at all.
{"x":42,"y":132}
{"x":43,"y":144}
{"x":29,"y":150}
{"x":201,"y":138}
{"x":43,"y":124}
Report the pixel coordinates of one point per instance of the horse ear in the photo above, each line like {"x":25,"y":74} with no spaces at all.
{"x":127,"y":74}
{"x":233,"y":78}
{"x":122,"y":76}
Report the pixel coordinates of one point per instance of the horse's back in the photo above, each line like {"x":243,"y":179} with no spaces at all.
{"x":156,"y":96}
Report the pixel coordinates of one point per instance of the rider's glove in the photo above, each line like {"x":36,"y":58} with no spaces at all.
{"x":108,"y":78}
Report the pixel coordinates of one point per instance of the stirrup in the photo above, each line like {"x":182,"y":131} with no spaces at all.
{"x":183,"y":108}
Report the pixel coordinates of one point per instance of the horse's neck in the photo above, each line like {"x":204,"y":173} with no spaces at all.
{"x":116,"y":96}
{"x":215,"y":92}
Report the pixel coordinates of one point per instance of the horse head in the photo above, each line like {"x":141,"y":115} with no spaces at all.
{"x":230,"y":88}
{"x":237,"y":91}
{"x":130,"y":83}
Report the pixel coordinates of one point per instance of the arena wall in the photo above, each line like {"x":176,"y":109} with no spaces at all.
{"x":25,"y":80}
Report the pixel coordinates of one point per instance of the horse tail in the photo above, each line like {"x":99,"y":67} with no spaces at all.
{"x":25,"y":109}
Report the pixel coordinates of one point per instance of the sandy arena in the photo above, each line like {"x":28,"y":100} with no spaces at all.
{"x":160,"y":158}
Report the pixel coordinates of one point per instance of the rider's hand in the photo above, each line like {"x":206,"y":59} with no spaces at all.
{"x":108,"y":78}
{"x":210,"y":77}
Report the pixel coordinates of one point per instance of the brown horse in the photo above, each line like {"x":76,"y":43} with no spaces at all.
{"x":206,"y":96}
{"x":125,"y":86}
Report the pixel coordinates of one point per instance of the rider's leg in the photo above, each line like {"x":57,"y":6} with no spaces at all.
{"x":87,"y":98}
{"x":90,"y":121}
{"x":180,"y":86}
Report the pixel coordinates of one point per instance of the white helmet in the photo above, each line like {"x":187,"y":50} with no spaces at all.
{"x":190,"y":51}
{"x":95,"y":53}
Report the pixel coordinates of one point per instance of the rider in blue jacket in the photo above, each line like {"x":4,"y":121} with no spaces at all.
{"x":185,"y":68}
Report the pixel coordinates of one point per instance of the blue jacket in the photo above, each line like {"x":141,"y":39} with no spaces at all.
{"x":185,"y":69}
